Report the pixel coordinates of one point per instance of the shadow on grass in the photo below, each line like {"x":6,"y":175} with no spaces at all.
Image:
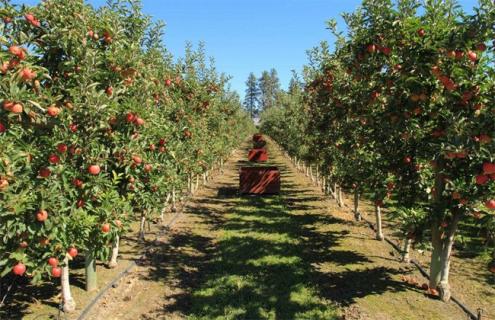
{"x":264,"y":265}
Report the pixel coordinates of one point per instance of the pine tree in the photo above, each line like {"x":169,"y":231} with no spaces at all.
{"x":252,"y":99}
{"x":269,"y":85}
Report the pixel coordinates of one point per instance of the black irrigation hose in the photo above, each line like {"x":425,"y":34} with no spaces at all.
{"x":131,"y":265}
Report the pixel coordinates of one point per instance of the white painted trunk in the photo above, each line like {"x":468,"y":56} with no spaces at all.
{"x":204,"y":178}
{"x":174,"y":208}
{"x":440,"y":258}
{"x":379,"y":231}
{"x":311,"y":173}
{"x":141,"y":226}
{"x":406,"y":250}
{"x":357,"y":214}
{"x":68,"y":301}
{"x":115,"y":253}
{"x":317,"y":176}
{"x":164,"y":207}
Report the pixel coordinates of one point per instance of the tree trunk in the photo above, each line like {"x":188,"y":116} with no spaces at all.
{"x":90,"y":268}
{"x":311,"y":176}
{"x":174,"y":208}
{"x":204,"y":178}
{"x":440,"y":259}
{"x":197,"y":184}
{"x":69,"y":303}
{"x":115,"y":253}
{"x":406,"y":250}
{"x":340,"y":199}
{"x":357,"y":215}
{"x":317,"y":176}
{"x":324,"y":184}
{"x":164,"y":207}
{"x":379,"y":231}
{"x":142,"y":225}
{"x":189,"y":184}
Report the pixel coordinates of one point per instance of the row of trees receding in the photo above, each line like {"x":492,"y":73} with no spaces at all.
{"x":98,"y":127}
{"x":403,"y":110}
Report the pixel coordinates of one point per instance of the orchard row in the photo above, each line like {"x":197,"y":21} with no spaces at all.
{"x":98,"y":126}
{"x":403,"y":107}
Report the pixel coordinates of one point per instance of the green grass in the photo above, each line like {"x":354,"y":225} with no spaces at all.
{"x":260,"y":271}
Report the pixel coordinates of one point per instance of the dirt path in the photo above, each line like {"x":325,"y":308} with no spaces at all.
{"x":292,"y":256}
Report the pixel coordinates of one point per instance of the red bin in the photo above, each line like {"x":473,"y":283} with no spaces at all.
{"x":257,"y":137}
{"x":258,"y":155}
{"x":259,"y":180}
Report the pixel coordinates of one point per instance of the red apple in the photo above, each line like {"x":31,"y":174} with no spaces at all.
{"x":53,"y":111}
{"x":44,"y":172}
{"x":27,"y":74}
{"x":19,"y":269}
{"x":41,"y":215}
{"x":53,"y":261}
{"x":2,"y":128}
{"x":105,"y":228}
{"x":490,"y":204}
{"x":421,"y":32}
{"x":94,"y":169}
{"x":130,"y":117}
{"x":80,"y":203}
{"x":386,"y":51}
{"x":56,"y":272}
{"x":139,"y":121}
{"x":17,"y":108}
{"x":371,"y":48}
{"x":481,"y":47}
{"x":77,"y":183}
{"x":482,"y":179}
{"x":472,"y":56}
{"x":53,"y":158}
{"x":137,"y":159}
{"x":488,"y":168}
{"x":18,"y":52}
{"x":148,"y":168}
{"x":109,"y":91}
{"x":72,"y":252}
{"x":73,"y":127}
{"x":62,"y":148}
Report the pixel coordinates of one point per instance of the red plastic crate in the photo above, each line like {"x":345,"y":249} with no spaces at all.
{"x":257,"y":137}
{"x":258,"y":155}
{"x":259,"y":180}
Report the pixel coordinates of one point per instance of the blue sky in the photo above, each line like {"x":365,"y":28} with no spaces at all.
{"x":249,"y":35}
